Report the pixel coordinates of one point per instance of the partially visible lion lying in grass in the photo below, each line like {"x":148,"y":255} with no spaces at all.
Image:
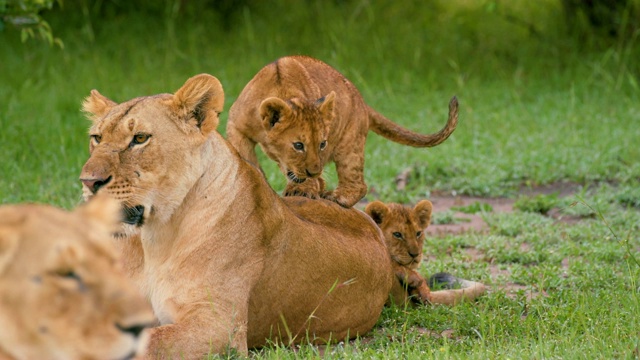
{"x":225,"y":261}
{"x":62,"y":293}
{"x":403,"y":230}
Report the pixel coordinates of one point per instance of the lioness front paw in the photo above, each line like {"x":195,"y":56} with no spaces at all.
{"x":311,"y":188}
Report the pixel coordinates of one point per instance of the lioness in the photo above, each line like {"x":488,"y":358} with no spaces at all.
{"x":64,"y":295}
{"x":304,"y":113}
{"x":225,"y":261}
{"x":403,"y":230}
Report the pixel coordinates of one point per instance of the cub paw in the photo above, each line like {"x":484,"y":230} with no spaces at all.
{"x":311,"y":188}
{"x":342,"y":200}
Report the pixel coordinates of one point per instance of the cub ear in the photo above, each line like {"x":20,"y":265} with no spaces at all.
{"x":103,"y":212}
{"x":377,"y":210}
{"x":327,"y":106}
{"x":422,"y":211}
{"x":97,"y":105}
{"x":200,"y":98}
{"x":272,"y":111}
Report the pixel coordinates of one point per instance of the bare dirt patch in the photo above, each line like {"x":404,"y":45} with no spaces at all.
{"x":474,"y":222}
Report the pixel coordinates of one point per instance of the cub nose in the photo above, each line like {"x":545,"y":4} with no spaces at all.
{"x":414,"y":253}
{"x":95,"y":184}
{"x":312,"y":173}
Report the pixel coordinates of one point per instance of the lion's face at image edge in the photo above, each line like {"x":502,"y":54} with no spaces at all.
{"x":64,"y":294}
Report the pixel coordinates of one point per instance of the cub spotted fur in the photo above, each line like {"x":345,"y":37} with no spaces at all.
{"x":64,"y":295}
{"x":304,"y":114}
{"x":403,"y":230}
{"x":225,"y":261}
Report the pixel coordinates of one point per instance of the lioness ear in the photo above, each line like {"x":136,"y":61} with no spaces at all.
{"x":327,"y":105}
{"x":102,"y":212}
{"x":97,"y":105}
{"x":377,"y":210}
{"x":422,"y":211}
{"x":272,"y":111}
{"x":8,"y":246}
{"x":200,"y":98}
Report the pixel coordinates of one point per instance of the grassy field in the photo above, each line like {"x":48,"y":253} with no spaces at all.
{"x":536,"y":107}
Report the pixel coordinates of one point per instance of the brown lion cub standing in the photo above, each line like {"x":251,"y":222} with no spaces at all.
{"x":304,"y":113}
{"x":403,"y":231}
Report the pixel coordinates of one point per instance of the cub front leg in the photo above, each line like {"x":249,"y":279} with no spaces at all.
{"x":350,"y":168}
{"x":311,"y":188}
{"x":416,"y":286}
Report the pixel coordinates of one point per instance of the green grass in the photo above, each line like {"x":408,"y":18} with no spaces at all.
{"x":533,"y":110}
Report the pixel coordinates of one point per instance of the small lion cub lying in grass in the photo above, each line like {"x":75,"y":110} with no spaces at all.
{"x":403,"y":230}
{"x":63,"y":294}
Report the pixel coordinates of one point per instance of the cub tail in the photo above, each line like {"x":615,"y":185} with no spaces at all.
{"x":396,"y":133}
{"x":454,"y":291}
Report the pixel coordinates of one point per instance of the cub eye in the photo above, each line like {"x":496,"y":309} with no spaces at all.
{"x":140,"y":139}
{"x":323,"y":145}
{"x":298,"y":146}
{"x":418,"y":234}
{"x":96,"y":138}
{"x":397,"y":235}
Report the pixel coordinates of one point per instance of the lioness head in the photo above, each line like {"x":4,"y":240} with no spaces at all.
{"x":297,"y":131}
{"x":403,"y":229}
{"x":138,"y":148}
{"x":64,"y":295}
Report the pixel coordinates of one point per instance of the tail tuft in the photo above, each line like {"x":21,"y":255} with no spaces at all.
{"x":444,"y":280}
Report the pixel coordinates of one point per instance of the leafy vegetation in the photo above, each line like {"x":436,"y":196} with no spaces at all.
{"x":538,"y":104}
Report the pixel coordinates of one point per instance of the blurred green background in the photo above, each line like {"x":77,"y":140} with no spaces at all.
{"x":548,"y":89}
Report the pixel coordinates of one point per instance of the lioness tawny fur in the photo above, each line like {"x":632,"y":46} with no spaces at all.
{"x":225,"y":262}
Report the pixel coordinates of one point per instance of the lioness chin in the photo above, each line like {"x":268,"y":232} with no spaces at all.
{"x":226,"y":262}
{"x":304,"y":114}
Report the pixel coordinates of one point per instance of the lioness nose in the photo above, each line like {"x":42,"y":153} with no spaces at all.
{"x":95,"y":184}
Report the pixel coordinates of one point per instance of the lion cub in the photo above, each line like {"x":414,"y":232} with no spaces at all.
{"x":403,"y":230}
{"x":304,"y":114}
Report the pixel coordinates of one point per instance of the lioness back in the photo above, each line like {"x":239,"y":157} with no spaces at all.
{"x":303,"y":113}
{"x":64,"y":295}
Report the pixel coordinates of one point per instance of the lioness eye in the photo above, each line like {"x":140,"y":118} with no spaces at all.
{"x":140,"y":139}
{"x":323,"y":145}
{"x":397,"y":235}
{"x":96,"y":138}
{"x":418,"y":234}
{"x":298,"y":146}
{"x":68,"y":274}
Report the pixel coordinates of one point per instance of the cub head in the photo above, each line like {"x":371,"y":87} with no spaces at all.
{"x":138,"y":148}
{"x":64,"y":295}
{"x":403,"y":229}
{"x":298,"y":131}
